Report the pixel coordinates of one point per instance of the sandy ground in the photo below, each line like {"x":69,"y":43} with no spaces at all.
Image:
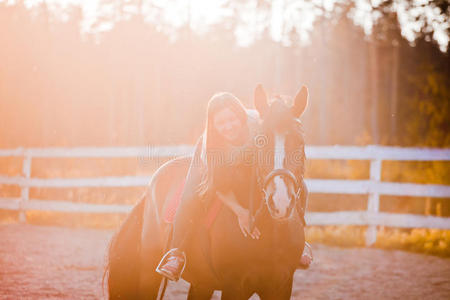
{"x":39,"y":262}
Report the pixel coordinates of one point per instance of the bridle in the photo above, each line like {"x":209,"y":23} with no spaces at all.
{"x":263,"y":182}
{"x":285,"y":173}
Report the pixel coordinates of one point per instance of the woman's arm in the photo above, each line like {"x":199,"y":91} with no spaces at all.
{"x":229,"y":199}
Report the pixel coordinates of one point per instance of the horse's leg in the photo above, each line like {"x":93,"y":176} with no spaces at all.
{"x":199,"y":293}
{"x":148,"y":284}
{"x":283,"y":292}
{"x":286,"y":291}
{"x":150,"y":252}
{"x":234,"y":293}
{"x":150,"y":280}
{"x":155,"y":233}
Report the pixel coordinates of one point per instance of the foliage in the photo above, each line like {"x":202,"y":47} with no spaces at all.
{"x":133,"y":84}
{"x":426,"y":118}
{"x":428,"y":241}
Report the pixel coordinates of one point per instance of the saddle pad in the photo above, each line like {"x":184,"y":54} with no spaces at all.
{"x":172,"y":206}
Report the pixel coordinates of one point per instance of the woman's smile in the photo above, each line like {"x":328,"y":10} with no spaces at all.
{"x":227,"y":124}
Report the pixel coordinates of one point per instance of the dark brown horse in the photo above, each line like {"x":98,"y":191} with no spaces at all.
{"x":221,"y":258}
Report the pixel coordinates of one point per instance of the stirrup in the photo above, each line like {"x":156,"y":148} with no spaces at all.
{"x":310,"y":254}
{"x":164,"y":260}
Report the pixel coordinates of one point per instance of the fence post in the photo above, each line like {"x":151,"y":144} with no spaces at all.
{"x":25,"y":190}
{"x":373,"y":205}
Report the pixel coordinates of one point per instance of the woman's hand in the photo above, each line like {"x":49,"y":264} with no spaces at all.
{"x":244,"y":223}
{"x":242,"y":214}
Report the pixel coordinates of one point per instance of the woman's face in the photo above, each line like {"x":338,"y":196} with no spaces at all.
{"x":227,"y":124}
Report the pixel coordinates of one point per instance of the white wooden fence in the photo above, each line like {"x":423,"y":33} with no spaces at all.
{"x":374,"y":187}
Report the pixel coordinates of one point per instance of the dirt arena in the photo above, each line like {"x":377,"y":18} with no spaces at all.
{"x":38,"y":262}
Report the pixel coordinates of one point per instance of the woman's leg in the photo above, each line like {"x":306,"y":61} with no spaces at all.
{"x":186,"y":218}
{"x":189,"y":210}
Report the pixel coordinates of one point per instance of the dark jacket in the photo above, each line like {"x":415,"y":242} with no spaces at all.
{"x":234,"y":172}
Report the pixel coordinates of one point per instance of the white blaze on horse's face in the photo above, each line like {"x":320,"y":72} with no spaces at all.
{"x":281,"y":197}
{"x":279,"y":152}
{"x":280,"y":190}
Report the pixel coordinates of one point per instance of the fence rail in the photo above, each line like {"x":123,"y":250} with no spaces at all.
{"x":374,"y":187}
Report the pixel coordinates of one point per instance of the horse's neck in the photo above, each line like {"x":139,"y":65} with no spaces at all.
{"x":277,"y":231}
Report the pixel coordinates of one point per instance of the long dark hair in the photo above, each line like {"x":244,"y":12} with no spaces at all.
{"x":214,"y":144}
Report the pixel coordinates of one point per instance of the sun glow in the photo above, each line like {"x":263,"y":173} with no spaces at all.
{"x":197,"y":15}
{"x":282,"y":18}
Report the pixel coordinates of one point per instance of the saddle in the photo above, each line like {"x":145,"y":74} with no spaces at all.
{"x":171,"y":205}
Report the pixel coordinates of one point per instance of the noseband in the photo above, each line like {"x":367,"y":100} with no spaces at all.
{"x":283,"y":173}
{"x":264,"y":182}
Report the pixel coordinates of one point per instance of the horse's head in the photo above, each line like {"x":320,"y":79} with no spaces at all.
{"x":282,"y":157}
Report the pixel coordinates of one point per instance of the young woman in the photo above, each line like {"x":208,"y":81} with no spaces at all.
{"x":218,"y":169}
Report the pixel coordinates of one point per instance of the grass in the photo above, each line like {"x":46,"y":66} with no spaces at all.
{"x":428,"y":241}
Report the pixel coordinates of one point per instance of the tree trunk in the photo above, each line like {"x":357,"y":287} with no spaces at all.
{"x":374,"y":90}
{"x":394,"y":91}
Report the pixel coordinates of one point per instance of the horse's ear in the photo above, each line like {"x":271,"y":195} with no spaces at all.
{"x":300,"y":102}
{"x":261,"y":100}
